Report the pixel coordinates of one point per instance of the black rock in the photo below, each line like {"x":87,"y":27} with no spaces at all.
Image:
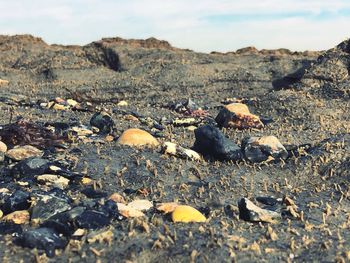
{"x":248,"y":211}
{"x":271,"y":201}
{"x":48,"y":207}
{"x":42,"y":238}
{"x":7,"y":228}
{"x":19,"y":200}
{"x":31,"y":166}
{"x":92,"y":193}
{"x":211,"y":142}
{"x":92,"y":219}
{"x":103,"y":122}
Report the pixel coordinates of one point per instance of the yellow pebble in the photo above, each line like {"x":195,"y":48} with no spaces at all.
{"x":185,"y":213}
{"x":1,"y":214}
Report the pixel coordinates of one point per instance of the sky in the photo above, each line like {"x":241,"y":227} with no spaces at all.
{"x":200,"y":25}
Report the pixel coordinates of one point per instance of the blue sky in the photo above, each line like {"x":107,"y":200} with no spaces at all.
{"x":201,"y":25}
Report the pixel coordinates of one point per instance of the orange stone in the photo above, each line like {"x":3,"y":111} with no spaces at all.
{"x":137,"y":137}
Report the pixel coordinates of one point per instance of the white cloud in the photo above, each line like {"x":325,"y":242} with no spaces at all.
{"x":182,"y":22}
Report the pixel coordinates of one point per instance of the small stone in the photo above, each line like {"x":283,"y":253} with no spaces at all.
{"x":72,"y":102}
{"x":129,"y":212}
{"x":59,"y":107}
{"x":130,"y":117}
{"x":53,"y":180}
{"x":175,"y":150}
{"x":92,"y":219}
{"x":109,"y":138}
{"x":81,"y":131}
{"x":211,"y":142}
{"x":137,"y":137}
{"x":19,"y":200}
{"x":186,"y":214}
{"x":42,"y":238}
{"x":79,"y":232}
{"x":122,"y":103}
{"x":237,"y":115}
{"x":117,"y":198}
{"x":18,"y":217}
{"x":30,"y":166}
{"x":1,"y":214}
{"x":248,"y":211}
{"x":185,"y":122}
{"x":167,"y":208}
{"x":4,"y":82}
{"x":259,"y":149}
{"x":87,"y":181}
{"x":3,"y":147}
{"x":103,"y":122}
{"x":191,"y":128}
{"x":140,"y":205}
{"x":23,"y":152}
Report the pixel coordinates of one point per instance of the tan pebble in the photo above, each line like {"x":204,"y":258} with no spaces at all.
{"x":1,"y":214}
{"x":59,"y":100}
{"x":126,"y":211}
{"x":130,"y":117}
{"x":59,"y":107}
{"x":87,"y":181}
{"x":186,"y":214}
{"x":140,"y":205}
{"x":4,"y":190}
{"x":72,"y":102}
{"x":191,"y":128}
{"x":122,"y":103}
{"x":101,"y":236}
{"x":167,"y":207}
{"x":4,"y":82}
{"x":18,"y":217}
{"x":137,"y":137}
{"x":117,"y":198}
{"x":3,"y":147}
{"x":169,"y":148}
{"x":109,"y":138}
{"x":24,"y":152}
{"x":55,"y":180}
{"x":79,"y":232}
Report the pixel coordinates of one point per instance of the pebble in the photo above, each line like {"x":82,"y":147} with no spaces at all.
{"x":122,"y":103}
{"x":167,"y":208}
{"x":3,"y":147}
{"x":18,"y":217}
{"x":248,"y":211}
{"x":140,"y":205}
{"x":259,"y":149}
{"x":178,"y":151}
{"x":42,"y":238}
{"x":92,"y":219}
{"x":19,"y":200}
{"x":186,"y":214}
{"x":23,"y":152}
{"x":117,"y":198}
{"x":137,"y":137}
{"x":1,"y":214}
{"x":103,"y":121}
{"x":211,"y":142}
{"x":4,"y":82}
{"x":100,"y":236}
{"x":59,"y":107}
{"x":53,"y":180}
{"x":237,"y":115}
{"x":129,"y":212}
{"x":72,"y":102}
{"x":7,"y":228}
{"x":185,"y":122}
{"x":30,"y":166}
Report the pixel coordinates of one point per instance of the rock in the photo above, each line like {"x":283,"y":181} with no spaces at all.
{"x":129,"y":212}
{"x":178,"y":151}
{"x":30,"y":166}
{"x":103,"y":122}
{"x":248,"y":211}
{"x":140,"y":205}
{"x":185,"y":122}
{"x":92,"y":219}
{"x":2,"y":157}
{"x":122,"y":103}
{"x":117,"y":198}
{"x":72,"y":102}
{"x":19,"y":200}
{"x":270,"y":201}
{"x":186,"y":214}
{"x":211,"y":142}
{"x":237,"y":115}
{"x":42,"y":238}
{"x":59,"y":107}
{"x":137,"y":137}
{"x":18,"y":217}
{"x":23,"y":152}
{"x":3,"y":147}
{"x":1,"y":214}
{"x":167,"y":208}
{"x":259,"y":149}
{"x":81,"y":131}
{"x":53,"y":180}
{"x":7,"y":228}
{"x":3,"y":82}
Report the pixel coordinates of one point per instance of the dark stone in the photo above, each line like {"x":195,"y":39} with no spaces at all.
{"x":42,"y":238}
{"x":110,"y":209}
{"x":92,"y":219}
{"x":248,"y":211}
{"x":211,"y":142}
{"x":19,"y":200}
{"x":271,"y":201}
{"x":7,"y":228}
{"x":92,"y":193}
{"x":31,"y":166}
{"x":103,"y":122}
{"x":223,"y":117}
{"x":48,"y":207}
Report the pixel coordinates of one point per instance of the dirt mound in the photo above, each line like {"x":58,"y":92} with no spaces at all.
{"x":138,"y":43}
